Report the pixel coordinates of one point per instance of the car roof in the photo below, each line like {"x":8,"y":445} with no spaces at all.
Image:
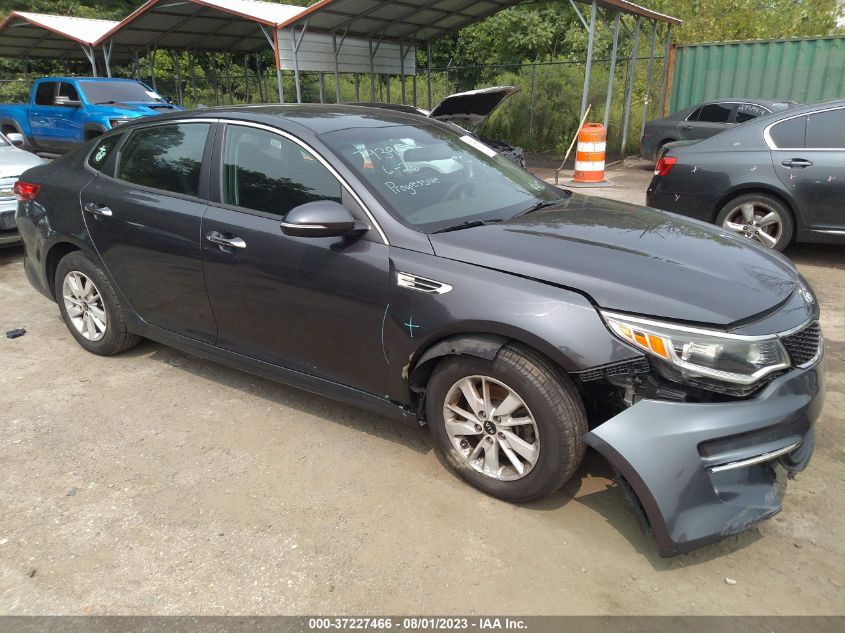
{"x":104,"y":79}
{"x":317,"y":118}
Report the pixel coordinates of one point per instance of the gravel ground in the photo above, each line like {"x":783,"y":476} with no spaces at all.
{"x":158,"y":483}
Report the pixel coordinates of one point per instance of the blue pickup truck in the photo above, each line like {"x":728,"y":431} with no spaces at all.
{"x":65,"y":111}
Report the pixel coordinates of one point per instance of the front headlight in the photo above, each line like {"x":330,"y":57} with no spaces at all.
{"x":702,"y":353}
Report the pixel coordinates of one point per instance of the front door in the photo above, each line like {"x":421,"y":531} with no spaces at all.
{"x":812,"y":166}
{"x":314,"y":305}
{"x":41,"y":112}
{"x":145,"y":223}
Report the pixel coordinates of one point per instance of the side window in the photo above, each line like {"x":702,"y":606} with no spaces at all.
{"x":266,"y":172}
{"x":748,"y":111}
{"x":167,"y":157}
{"x":790,"y":133}
{"x":694,"y":116}
{"x":97,"y":159}
{"x":67,"y":90}
{"x":826,"y":130}
{"x":715,"y":113}
{"x":45,"y":93}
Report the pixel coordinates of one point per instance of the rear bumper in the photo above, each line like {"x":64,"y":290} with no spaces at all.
{"x":701,"y":472}
{"x":692,"y":205}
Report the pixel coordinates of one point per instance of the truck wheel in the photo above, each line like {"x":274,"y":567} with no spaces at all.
{"x":512,"y":427}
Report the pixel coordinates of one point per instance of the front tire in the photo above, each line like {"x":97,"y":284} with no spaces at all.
{"x":90,"y":307}
{"x":758,"y":217}
{"x":512,"y":427}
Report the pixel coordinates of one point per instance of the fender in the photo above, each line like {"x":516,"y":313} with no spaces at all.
{"x":10,"y":122}
{"x":484,"y":346}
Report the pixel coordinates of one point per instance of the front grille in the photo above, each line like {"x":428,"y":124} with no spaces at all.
{"x":803,"y":346}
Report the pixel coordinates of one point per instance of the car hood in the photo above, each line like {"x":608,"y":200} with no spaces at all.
{"x":140,"y":108}
{"x":14,"y":161}
{"x":632,"y":259}
{"x":471,"y":109}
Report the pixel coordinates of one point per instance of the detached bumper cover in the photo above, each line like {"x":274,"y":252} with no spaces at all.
{"x":705,"y":471}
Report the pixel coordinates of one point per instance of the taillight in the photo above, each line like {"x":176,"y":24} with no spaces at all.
{"x":26,"y":190}
{"x":664,"y":165}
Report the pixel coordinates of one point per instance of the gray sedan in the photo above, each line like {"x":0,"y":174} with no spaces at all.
{"x":704,"y":120}
{"x":13,"y":162}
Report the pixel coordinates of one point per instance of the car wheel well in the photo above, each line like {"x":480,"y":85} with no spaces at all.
{"x":90,"y":134}
{"x":8,"y":128}
{"x":56,"y":254}
{"x":485,"y":346}
{"x":744,"y":192}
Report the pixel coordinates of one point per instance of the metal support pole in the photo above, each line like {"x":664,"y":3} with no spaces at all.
{"x":531,"y":107}
{"x":609,"y":102}
{"x":274,"y":45}
{"x":649,"y":75}
{"x":88,"y":51}
{"x":591,"y":37}
{"x":107,"y":49}
{"x":192,"y":75}
{"x":372,"y":72}
{"x":151,"y":57}
{"x":295,"y":48}
{"x":357,"y":81}
{"x":336,"y":70}
{"x":322,"y":87}
{"x":415,"y":85}
{"x":629,"y":88}
{"x":666,"y":50}
{"x":246,"y":80}
{"x":177,"y":68}
{"x":428,"y":74}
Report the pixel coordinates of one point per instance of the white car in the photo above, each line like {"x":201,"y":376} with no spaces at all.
{"x":13,"y":162}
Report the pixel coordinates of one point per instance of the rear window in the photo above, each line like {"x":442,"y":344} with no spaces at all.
{"x":790,"y":133}
{"x":98,"y":157}
{"x":826,"y":130}
{"x":748,"y":111}
{"x":167,"y":157}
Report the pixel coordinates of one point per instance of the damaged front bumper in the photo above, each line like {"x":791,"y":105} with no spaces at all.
{"x":700,"y":472}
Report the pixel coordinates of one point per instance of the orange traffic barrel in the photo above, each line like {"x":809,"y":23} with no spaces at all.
{"x":590,"y":157}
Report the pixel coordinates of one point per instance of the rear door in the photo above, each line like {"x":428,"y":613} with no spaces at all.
{"x":41,"y":112}
{"x":808,"y":153}
{"x":145,"y":216}
{"x":314,"y":305}
{"x":707,"y":121}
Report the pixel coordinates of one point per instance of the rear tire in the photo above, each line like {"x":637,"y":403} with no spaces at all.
{"x":758,"y":217}
{"x":90,"y":307}
{"x":541,"y":423}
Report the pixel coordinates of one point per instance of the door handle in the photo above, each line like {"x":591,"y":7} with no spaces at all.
{"x":686,"y":127}
{"x":215,"y":237}
{"x":797,"y":162}
{"x":97,"y":209}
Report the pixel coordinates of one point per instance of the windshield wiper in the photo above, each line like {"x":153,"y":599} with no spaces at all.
{"x":465,"y":225}
{"x":540,"y":205}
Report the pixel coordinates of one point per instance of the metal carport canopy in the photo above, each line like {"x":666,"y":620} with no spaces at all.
{"x":420,"y":20}
{"x":25,"y":35}
{"x":221,"y":26}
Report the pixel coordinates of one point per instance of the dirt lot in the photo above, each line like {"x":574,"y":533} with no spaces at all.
{"x":155,"y":482}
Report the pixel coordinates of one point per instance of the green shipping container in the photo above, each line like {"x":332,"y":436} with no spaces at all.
{"x":804,"y":70}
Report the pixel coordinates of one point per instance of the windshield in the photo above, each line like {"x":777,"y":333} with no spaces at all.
{"x":117,"y":91}
{"x":431,"y":178}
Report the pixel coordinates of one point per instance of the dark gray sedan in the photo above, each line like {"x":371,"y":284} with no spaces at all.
{"x":773,"y":180}
{"x":704,"y":120}
{"x":399,"y":264}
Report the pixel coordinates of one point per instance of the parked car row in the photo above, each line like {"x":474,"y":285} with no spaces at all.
{"x":397,"y":263}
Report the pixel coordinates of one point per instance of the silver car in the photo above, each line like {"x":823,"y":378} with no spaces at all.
{"x":13,"y":162}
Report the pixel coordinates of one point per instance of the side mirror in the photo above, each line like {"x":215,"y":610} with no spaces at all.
{"x":323,"y":218}
{"x":67,"y":102}
{"x":16,"y":139}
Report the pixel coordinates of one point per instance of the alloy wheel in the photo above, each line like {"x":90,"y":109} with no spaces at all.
{"x":757,"y":221}
{"x":491,"y":428}
{"x":84,"y":306}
